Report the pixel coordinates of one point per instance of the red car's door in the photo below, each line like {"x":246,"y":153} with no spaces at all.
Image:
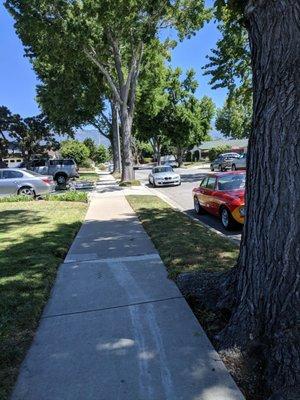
{"x":209,"y":195}
{"x":201,"y":193}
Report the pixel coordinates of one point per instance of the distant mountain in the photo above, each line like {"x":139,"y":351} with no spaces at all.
{"x":88,"y":133}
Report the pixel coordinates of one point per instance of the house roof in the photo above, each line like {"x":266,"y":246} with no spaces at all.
{"x":233,"y":143}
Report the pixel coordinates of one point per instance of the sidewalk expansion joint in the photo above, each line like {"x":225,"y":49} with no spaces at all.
{"x":110,"y":308}
{"x":139,"y":257}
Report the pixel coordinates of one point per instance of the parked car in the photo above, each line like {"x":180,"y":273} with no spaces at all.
{"x":17,"y":181}
{"x":239,"y":163}
{"x":222,"y":195}
{"x":223,"y":161}
{"x":61,"y":170}
{"x":169,"y":160}
{"x":164,"y":175}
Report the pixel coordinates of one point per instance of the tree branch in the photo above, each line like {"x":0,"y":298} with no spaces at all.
{"x":92,"y":57}
{"x":117,"y":57}
{"x":134,"y":69}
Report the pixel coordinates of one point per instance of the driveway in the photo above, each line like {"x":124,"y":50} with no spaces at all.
{"x":182,"y":195}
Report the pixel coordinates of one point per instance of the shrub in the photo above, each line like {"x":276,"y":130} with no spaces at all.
{"x":196,"y":155}
{"x":87,"y":164}
{"x":68,"y":196}
{"x":75,"y":150}
{"x":188,"y":156}
{"x":91,"y":145}
{"x":215,"y":151}
{"x":16,"y":198}
{"x":101,"y":155}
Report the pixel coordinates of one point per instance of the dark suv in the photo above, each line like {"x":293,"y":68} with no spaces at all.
{"x":61,"y":170}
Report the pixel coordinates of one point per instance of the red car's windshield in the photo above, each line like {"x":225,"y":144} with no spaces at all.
{"x":232,"y":182}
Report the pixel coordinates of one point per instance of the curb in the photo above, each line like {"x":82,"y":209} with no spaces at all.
{"x":177,"y":207}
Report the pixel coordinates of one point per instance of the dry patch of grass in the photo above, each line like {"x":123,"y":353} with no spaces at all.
{"x":34,"y":238}
{"x":183,"y":244}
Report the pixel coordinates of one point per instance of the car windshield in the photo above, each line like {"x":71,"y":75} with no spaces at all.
{"x":162,"y":169}
{"x":232,"y":182}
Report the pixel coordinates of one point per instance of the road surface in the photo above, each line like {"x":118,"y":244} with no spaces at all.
{"x":182,"y":195}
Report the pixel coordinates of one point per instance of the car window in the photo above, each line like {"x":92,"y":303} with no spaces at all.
{"x":158,"y":170}
{"x":232,"y":182}
{"x":203,"y":183}
{"x":12,"y":174}
{"x":211,"y":183}
{"x":68,"y":162}
{"x":39,"y":163}
{"x":55,"y":162}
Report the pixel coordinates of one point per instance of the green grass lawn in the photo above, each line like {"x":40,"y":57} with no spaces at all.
{"x":34,"y":238}
{"x":88,"y":176}
{"x":183,"y":244}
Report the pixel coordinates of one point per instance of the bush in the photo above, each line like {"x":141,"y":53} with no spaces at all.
{"x":101,"y":155}
{"x":215,"y":151}
{"x":68,"y":196}
{"x":87,"y":164}
{"x":91,"y":145}
{"x":147,"y":160}
{"x":75,"y":150}
{"x":196,"y":155}
{"x":188,"y":156}
{"x":16,"y":198}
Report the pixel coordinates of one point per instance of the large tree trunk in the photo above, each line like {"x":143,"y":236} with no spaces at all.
{"x":266,"y":315}
{"x":127,"y":162}
{"x":115,"y":139}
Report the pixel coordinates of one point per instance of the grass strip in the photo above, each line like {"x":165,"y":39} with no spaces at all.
{"x":34,"y":239}
{"x":183,"y":244}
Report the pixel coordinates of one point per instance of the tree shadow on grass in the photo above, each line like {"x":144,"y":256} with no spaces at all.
{"x":10,"y":219}
{"x":27,"y":273}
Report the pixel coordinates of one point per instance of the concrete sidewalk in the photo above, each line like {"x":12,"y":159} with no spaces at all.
{"x":116,"y":327}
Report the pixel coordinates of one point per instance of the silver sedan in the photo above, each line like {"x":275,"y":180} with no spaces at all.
{"x":21,"y":181}
{"x":164,"y":175}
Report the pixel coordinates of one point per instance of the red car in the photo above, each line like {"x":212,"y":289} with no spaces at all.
{"x":222,"y":194}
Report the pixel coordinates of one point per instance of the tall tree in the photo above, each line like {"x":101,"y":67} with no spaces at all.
{"x":111,"y":34}
{"x":6,"y":119}
{"x":265,"y":313}
{"x":234,"y":119}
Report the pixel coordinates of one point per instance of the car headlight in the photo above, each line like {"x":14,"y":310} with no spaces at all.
{"x":242,"y":211}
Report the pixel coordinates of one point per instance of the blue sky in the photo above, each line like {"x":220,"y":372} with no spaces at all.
{"x":18,"y":81}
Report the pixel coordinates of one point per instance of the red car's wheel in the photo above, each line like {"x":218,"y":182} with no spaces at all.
{"x":197,"y":206}
{"x":227,"y":220}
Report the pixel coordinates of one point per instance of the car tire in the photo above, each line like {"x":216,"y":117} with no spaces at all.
{"x":61,"y":179}
{"x":233,"y":167}
{"x":220,"y":168}
{"x":197,"y":207}
{"x":153,"y":183}
{"x":227,"y":220}
{"x":26,"y":191}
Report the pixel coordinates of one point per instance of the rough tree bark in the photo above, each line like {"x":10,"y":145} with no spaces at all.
{"x":115,"y":141}
{"x":266,"y":314}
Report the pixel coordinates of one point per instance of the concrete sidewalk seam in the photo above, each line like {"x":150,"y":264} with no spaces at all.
{"x":111,"y":308}
{"x":144,"y":257}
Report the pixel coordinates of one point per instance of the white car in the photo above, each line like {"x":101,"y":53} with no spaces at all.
{"x":163,"y":176}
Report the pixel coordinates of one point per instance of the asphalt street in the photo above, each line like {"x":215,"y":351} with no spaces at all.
{"x":182,"y":196}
